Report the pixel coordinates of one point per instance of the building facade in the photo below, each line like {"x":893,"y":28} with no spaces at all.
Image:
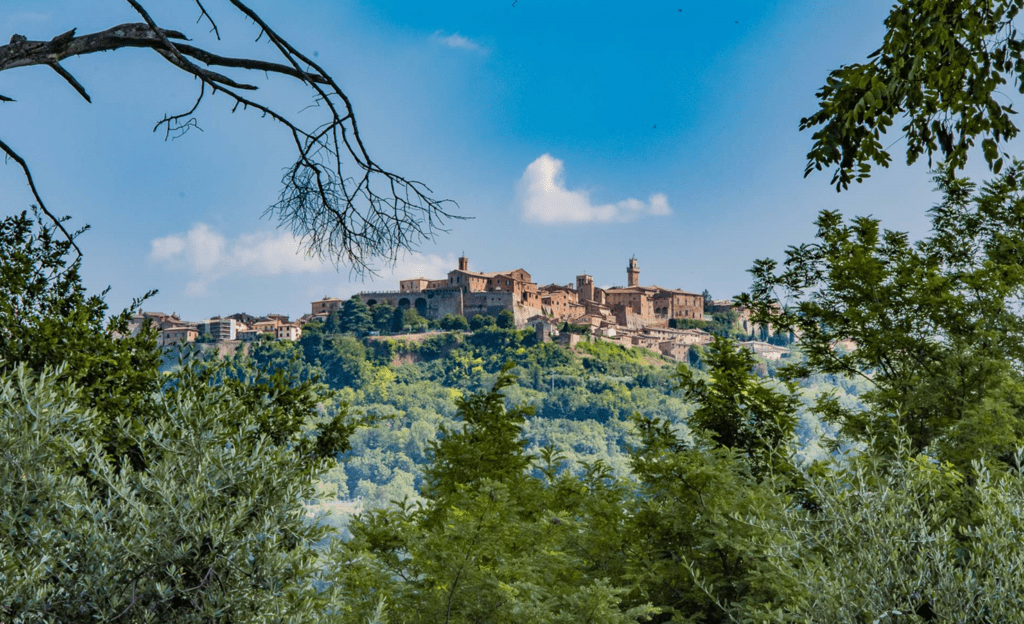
{"x":219,"y":328}
{"x":465,"y":293}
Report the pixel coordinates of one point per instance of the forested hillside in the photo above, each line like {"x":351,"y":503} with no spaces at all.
{"x":581,"y":400}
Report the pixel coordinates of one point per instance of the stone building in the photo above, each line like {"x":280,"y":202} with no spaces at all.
{"x":174,"y":335}
{"x":561,"y":303}
{"x":678,"y":304}
{"x":633,"y":272}
{"x":157,"y":319}
{"x":325,"y":306}
{"x":765,"y":350}
{"x":466,"y":293}
{"x":635,"y":306}
{"x":675,"y":350}
{"x":288,"y":331}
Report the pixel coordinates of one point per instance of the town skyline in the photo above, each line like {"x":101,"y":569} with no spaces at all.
{"x":293,"y":309}
{"x":663,"y":320}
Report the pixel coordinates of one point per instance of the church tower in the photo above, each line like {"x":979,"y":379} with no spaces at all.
{"x":585,"y":288}
{"x":633,"y":272}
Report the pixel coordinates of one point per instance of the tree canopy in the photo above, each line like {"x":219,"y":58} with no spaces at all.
{"x":938,"y":71}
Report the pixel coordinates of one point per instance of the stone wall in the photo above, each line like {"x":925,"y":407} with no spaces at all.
{"x":431,"y":304}
{"x":435,"y":304}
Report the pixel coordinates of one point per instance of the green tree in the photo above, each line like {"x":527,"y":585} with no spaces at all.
{"x":101,"y":455}
{"x":412,"y":320}
{"x":87,"y":539}
{"x":398,"y":321}
{"x":489,"y":447}
{"x":354,"y":317}
{"x":382,"y":316}
{"x":457,"y":322}
{"x":333,"y":323}
{"x":936,"y":324}
{"x":47,"y":318}
{"x":884,"y":545}
{"x":739,"y":411}
{"x":480,"y":321}
{"x":690,"y":547}
{"x":343,"y":359}
{"x":492,"y":542}
{"x":506,"y":320}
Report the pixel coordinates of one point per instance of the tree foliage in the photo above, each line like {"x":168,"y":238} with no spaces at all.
{"x":211,"y":528}
{"x":739,"y":411}
{"x":130,"y":495}
{"x":938,"y":71}
{"x":936,"y":324}
{"x":885,"y":545}
{"x":491,"y":543}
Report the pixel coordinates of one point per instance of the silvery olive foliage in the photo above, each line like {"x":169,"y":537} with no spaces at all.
{"x":898,"y":540}
{"x":127,"y":495}
{"x":212,"y":529}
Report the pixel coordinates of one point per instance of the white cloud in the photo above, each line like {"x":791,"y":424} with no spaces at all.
{"x":456,"y":40}
{"x":544,"y":199}
{"x":208,"y":256}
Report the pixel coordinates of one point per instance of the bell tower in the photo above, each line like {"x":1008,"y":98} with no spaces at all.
{"x":585,"y":288}
{"x":633,"y":272}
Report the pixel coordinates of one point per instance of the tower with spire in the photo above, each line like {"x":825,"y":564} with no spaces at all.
{"x":633,"y":272}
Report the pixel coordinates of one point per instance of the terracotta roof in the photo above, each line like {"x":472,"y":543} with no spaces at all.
{"x":489,"y":275}
{"x":630,"y":289}
{"x":677,"y":291}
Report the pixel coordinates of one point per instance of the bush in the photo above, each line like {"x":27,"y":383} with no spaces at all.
{"x":506,"y":320}
{"x":130,"y":495}
{"x":479,"y":322}
{"x":887,"y":541}
{"x":85,"y":537}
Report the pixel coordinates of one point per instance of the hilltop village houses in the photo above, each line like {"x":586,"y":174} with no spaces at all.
{"x":633,"y":315}
{"x":630,"y":315}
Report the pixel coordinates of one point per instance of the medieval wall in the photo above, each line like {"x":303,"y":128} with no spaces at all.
{"x":431,"y":304}
{"x":492,"y":303}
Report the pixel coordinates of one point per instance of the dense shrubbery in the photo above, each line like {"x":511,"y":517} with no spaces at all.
{"x":134,"y":496}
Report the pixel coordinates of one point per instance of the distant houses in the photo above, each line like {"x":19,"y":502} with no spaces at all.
{"x":241,"y":327}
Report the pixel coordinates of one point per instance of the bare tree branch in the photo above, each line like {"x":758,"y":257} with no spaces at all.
{"x":35,"y":193}
{"x":174,"y":124}
{"x":335,"y":198}
{"x":202,"y":14}
{"x":66,"y":75}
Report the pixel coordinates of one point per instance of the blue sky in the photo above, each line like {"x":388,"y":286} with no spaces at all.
{"x":575,"y":133}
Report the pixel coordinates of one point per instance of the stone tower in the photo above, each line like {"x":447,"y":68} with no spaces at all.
{"x":633,"y":272}
{"x":463,"y":263}
{"x":585,"y":288}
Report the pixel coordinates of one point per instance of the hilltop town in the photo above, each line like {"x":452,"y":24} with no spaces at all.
{"x":633,"y":315}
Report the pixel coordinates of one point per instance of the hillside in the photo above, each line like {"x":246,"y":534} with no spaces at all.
{"x":581,"y":397}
